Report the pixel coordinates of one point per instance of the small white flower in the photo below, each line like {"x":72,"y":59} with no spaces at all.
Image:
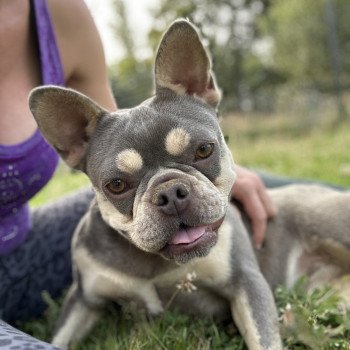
{"x":288,"y":317}
{"x":186,"y":285}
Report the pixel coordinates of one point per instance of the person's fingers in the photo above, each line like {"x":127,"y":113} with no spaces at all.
{"x":251,"y":192}
{"x":267,"y":201}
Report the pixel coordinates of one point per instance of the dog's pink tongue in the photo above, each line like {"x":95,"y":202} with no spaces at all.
{"x":187,"y":236}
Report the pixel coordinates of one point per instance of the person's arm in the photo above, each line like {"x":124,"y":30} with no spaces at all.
{"x":81,"y":51}
{"x":250,"y":191}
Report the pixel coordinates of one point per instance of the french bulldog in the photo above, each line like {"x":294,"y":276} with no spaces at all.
{"x":162,"y":174}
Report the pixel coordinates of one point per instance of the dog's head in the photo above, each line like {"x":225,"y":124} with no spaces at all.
{"x":161,"y":171}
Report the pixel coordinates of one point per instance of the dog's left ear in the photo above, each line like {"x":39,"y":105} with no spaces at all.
{"x":183,"y":65}
{"x":67,"y":119}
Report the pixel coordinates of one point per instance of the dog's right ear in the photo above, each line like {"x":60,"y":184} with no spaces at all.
{"x":183,"y":64}
{"x":67,"y":119}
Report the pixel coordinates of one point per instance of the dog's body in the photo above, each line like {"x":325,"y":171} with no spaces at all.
{"x":162,"y":174}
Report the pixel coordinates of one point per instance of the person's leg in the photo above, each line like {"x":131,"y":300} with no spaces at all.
{"x":42,"y":262}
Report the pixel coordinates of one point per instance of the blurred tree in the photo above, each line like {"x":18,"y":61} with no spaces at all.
{"x":311,"y":44}
{"x":300,"y":33}
{"x":131,"y":77}
{"x":131,"y":81}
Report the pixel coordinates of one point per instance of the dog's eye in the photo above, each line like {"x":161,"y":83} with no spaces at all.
{"x":116,"y":186}
{"x":204,"y":150}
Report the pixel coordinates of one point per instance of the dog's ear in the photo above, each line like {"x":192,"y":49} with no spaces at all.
{"x":183,"y":65}
{"x":67,"y":119}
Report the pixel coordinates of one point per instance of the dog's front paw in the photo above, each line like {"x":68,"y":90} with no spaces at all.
{"x":155,"y":308}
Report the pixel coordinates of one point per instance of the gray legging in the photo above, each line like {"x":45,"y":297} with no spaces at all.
{"x":13,"y":339}
{"x":41,"y":263}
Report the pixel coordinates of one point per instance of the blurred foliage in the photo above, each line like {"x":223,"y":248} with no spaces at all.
{"x":131,"y":78}
{"x":262,"y":50}
{"x":314,"y":320}
{"x":308,"y":321}
{"x":300,"y":34}
{"x":65,"y":180}
{"x":131,"y":81}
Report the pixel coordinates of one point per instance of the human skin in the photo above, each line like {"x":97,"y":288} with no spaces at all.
{"x":81,"y":53}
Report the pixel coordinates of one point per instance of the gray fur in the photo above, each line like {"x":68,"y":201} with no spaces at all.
{"x":125,"y":247}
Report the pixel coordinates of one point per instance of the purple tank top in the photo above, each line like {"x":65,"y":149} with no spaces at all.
{"x":26,"y":167}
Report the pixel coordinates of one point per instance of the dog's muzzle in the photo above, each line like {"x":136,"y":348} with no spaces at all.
{"x":182,"y":216}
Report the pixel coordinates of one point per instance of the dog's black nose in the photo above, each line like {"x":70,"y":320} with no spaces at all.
{"x":174,"y":199}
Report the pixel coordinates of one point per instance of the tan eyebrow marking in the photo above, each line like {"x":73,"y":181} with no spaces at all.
{"x":129,"y":161}
{"x":177,"y":141}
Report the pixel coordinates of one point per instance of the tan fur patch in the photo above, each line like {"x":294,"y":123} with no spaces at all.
{"x":79,"y":321}
{"x":228,"y":175}
{"x":177,"y":141}
{"x":129,"y":161}
{"x":292,"y":270}
{"x":111,"y":216}
{"x":210,"y":96}
{"x":243,"y":317}
{"x":178,"y":88}
{"x":337,"y":251}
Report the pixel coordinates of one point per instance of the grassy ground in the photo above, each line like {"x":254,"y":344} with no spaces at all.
{"x":64,"y":181}
{"x":307,"y":321}
{"x":314,"y":321}
{"x":284,"y":147}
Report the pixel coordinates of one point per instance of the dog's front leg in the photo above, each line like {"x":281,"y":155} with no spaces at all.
{"x":254,"y":312}
{"x":76,"y":319}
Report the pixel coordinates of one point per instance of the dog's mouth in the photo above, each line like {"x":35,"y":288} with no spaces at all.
{"x":188,"y":238}
{"x":187,"y":234}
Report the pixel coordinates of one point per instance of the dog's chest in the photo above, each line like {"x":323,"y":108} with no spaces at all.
{"x":207,"y":273}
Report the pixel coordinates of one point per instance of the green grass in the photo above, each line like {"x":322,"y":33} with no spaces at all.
{"x":312,"y":321}
{"x":283,"y":147}
{"x":64,"y":181}
{"x":308,"y":321}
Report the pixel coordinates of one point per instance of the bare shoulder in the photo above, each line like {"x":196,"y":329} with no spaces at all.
{"x":81,"y":50}
{"x":73,"y":24}
{"x":65,"y":12}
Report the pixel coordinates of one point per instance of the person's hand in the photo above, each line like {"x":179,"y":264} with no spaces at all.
{"x":250,"y":191}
